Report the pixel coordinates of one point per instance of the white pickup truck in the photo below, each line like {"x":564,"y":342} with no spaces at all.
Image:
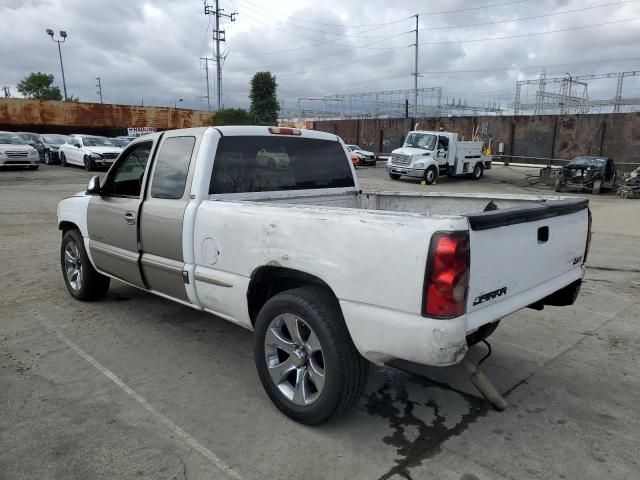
{"x":427,"y":155}
{"x":325,"y":275}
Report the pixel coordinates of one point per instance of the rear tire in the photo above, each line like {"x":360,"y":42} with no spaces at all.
{"x":394,"y":176}
{"x":63,"y":159}
{"x":82,"y":280}
{"x":478,"y":171}
{"x":314,"y":373}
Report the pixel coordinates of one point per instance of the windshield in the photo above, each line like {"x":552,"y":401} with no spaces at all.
{"x":588,"y":162}
{"x":97,"y":142}
{"x":29,"y":137}
{"x":10,"y":139}
{"x":55,"y":139}
{"x":426,"y":141}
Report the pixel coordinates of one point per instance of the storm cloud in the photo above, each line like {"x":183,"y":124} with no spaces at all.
{"x":150,"y":51}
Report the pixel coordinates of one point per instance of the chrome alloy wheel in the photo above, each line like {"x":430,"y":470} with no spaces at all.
{"x":73,"y":265}
{"x":294,"y":359}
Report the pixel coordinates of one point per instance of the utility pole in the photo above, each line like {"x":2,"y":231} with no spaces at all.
{"x":415,"y":79}
{"x":218,"y":36}
{"x":206,"y":68}
{"x":99,"y":85}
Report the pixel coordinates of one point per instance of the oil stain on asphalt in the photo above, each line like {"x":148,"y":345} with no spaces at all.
{"x":422,"y":414}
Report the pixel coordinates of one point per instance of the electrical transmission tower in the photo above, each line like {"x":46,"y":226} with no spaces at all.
{"x":218,"y":36}
{"x":7,"y":91}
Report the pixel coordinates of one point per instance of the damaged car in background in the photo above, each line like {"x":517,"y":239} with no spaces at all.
{"x":587,"y":173}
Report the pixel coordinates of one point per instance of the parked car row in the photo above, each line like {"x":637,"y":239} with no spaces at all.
{"x":28,"y":149}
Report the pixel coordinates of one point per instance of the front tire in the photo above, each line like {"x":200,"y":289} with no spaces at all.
{"x":63,"y":159}
{"x":82,"y":280}
{"x":306,"y":360}
{"x":597,"y":186}
{"x":89,"y":164}
{"x":430,"y":175}
{"x":47,"y":158}
{"x":394,"y":176}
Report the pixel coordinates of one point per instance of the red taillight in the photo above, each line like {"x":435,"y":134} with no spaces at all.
{"x":284,"y":131}
{"x":447,"y":279}
{"x":586,"y":250}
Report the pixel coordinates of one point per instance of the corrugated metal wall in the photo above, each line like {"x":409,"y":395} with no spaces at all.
{"x":549,"y":136}
{"x":107,"y":119}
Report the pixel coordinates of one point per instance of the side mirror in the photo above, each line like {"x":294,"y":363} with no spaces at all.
{"x":77,"y":145}
{"x":94,"y":186}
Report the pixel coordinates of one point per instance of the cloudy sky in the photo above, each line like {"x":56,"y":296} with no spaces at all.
{"x":474,"y":50}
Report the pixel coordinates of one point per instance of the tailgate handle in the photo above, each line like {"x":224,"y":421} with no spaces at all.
{"x":543,"y":234}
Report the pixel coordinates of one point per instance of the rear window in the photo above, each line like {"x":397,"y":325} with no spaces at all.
{"x":271,"y":163}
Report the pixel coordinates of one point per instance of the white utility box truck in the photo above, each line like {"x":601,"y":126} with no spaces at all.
{"x":426,"y":155}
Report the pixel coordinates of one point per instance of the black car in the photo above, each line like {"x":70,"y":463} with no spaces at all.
{"x":52,"y":142}
{"x":587,"y":173}
{"x":35,"y":140}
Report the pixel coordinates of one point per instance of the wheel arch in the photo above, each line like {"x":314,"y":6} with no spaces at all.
{"x":66,"y":225}
{"x":267,"y":281}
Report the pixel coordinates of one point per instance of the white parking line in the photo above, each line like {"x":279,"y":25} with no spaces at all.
{"x":188,"y":439}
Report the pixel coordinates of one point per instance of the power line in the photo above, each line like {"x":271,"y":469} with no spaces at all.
{"x":582,"y":27}
{"x":564,"y":12}
{"x":317,"y":57}
{"x":442,"y":12}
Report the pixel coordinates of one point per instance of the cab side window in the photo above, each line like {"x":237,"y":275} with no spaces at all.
{"x":172,"y":167}
{"x":126,"y":179}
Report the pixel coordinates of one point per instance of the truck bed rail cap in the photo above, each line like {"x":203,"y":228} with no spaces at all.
{"x":512,"y":216}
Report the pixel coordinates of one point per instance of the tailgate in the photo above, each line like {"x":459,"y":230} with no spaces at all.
{"x":521,"y":255}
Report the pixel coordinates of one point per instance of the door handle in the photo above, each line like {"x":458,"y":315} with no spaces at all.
{"x":130,"y":218}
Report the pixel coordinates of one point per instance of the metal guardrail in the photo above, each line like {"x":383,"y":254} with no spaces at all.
{"x":549,"y":162}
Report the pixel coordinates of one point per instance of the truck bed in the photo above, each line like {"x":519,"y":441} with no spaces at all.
{"x":503,"y":210}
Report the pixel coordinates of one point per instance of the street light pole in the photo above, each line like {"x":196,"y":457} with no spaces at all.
{"x":63,"y":34}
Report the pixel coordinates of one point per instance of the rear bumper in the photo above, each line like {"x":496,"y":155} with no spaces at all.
{"x":382,"y":335}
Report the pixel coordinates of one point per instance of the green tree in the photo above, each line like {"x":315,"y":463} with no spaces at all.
{"x":264,"y":102}
{"x":39,"y":85}
{"x":232,"y":116}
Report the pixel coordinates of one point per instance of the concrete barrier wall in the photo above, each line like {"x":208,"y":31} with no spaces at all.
{"x":547,"y":136}
{"x":106,"y":119}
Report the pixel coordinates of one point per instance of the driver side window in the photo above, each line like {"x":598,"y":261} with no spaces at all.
{"x":126,"y":179}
